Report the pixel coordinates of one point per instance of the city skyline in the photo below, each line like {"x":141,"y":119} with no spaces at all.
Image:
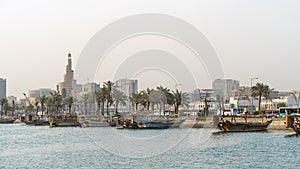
{"x":256,"y":40}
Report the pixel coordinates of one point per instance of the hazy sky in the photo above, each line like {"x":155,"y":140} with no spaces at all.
{"x":253,"y":38}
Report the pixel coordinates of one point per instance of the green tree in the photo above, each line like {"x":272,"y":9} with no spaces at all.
{"x":163,"y":98}
{"x":146,"y":95}
{"x":36,"y":104}
{"x":42,"y":100}
{"x":281,"y":105}
{"x":108,"y":86}
{"x":49,"y":105}
{"x":69,"y":102}
{"x":180,"y":98}
{"x":135,"y":99}
{"x":260,"y":90}
{"x":100,"y":99}
{"x":85,"y":99}
{"x":119,"y":98}
{"x":3,"y":102}
{"x":56,"y":100}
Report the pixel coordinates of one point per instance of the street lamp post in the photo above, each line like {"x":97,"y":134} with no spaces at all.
{"x":254,"y":78}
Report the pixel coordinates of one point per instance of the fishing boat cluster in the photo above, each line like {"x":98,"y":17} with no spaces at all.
{"x":136,"y":122}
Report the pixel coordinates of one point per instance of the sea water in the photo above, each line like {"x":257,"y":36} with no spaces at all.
{"x":24,"y":146}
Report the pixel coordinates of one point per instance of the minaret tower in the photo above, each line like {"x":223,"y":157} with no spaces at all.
{"x":65,"y":88}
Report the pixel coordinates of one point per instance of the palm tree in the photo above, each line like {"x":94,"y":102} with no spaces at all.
{"x":36,"y":104}
{"x":7,"y":107}
{"x":260,"y":90}
{"x":13,"y":107}
{"x":42,"y":100}
{"x":135,"y":99}
{"x":147,"y":94}
{"x":49,"y":104}
{"x":69,"y":102}
{"x":180,"y":98}
{"x":163,"y":96}
{"x":108,"y":86}
{"x":119,"y":98}
{"x":100,"y":99}
{"x":56,"y":99}
{"x":84,"y":100}
{"x":3,"y":101}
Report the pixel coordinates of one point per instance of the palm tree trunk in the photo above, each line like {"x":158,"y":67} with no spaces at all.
{"x":136,"y":107}
{"x":107,"y":108}
{"x":259,"y":102}
{"x":42,"y":105}
{"x":98,"y":107}
{"x":70,"y":107}
{"x":102,"y":111}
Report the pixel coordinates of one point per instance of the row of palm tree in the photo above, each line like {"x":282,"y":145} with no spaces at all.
{"x":110,"y":95}
{"x":52,"y":104}
{"x":160,"y":96}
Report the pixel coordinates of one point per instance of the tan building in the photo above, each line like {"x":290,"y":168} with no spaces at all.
{"x":66,"y":87}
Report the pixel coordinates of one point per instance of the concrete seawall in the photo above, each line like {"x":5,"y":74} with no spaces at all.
{"x":278,"y":124}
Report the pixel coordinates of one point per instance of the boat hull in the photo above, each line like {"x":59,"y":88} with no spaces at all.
{"x":89,"y":123}
{"x":37,"y":122}
{"x":143,"y":124}
{"x":41,"y":122}
{"x":64,"y":121}
{"x":66,"y":124}
{"x":243,"y":127}
{"x":7,"y":121}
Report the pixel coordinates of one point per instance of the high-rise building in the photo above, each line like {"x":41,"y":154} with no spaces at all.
{"x":127,"y":86}
{"x":225,"y":87}
{"x":2,"y":88}
{"x":66,"y":87}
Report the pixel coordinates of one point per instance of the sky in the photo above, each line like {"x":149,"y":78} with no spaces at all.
{"x":253,"y":38}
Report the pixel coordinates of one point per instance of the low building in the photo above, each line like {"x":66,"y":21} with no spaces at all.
{"x":36,"y":93}
{"x":11,"y":100}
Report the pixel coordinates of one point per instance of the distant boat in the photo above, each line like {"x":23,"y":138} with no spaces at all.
{"x":243,"y":126}
{"x":28,"y":122}
{"x":37,"y":122}
{"x":92,"y":123}
{"x":7,"y":120}
{"x":64,"y":121}
{"x":41,"y":122}
{"x":156,"y":124}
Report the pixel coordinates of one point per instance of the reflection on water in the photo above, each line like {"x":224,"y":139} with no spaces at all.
{"x":44,"y":147}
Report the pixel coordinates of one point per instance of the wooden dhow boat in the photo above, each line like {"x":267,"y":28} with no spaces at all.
{"x":69,"y":120}
{"x":158,"y":124}
{"x":233,"y":126}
